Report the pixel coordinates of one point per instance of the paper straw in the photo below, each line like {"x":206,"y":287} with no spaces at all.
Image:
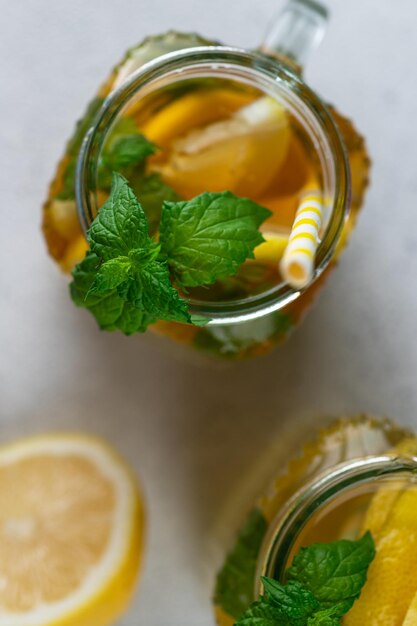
{"x":297,"y":263}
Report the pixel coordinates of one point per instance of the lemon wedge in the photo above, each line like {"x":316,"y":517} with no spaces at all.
{"x":241,"y":154}
{"x":71,"y":530}
{"x":391,"y":587}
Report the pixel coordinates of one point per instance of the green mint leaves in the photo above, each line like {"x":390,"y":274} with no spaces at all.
{"x":236,"y":580}
{"x":121,"y":225}
{"x":210,"y":236}
{"x":122,"y":280}
{"x":128,"y":150}
{"x":336,"y":572}
{"x":323,"y":583}
{"x":111,"y":311}
{"x":125,"y":279}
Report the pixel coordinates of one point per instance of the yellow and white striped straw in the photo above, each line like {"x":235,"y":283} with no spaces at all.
{"x":297,"y":263}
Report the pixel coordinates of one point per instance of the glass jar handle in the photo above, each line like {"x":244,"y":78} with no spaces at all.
{"x":298,"y":29}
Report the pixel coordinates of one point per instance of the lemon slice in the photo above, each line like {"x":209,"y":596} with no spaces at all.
{"x":71,"y":528}
{"x":241,"y":154}
{"x":198,"y":108}
{"x":273,"y":247}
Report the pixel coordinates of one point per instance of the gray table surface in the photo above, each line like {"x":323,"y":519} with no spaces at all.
{"x":202,"y":438}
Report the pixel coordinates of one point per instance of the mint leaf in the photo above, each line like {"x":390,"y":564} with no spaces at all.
{"x":128,"y":150}
{"x":323,"y":620}
{"x":289,"y":605}
{"x":110,"y":275}
{"x":324,"y":582}
{"x":327,"y":617}
{"x":294,"y":601}
{"x":236,"y":580}
{"x":210,"y":236}
{"x":334,"y":572}
{"x":84,"y":272}
{"x":109,"y":309}
{"x":125,"y":150}
{"x":262,"y":613}
{"x":131,"y":304}
{"x":120,"y":225}
{"x":150,"y":289}
{"x":199,"y":320}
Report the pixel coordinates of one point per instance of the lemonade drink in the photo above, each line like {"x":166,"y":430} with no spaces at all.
{"x":215,"y":134}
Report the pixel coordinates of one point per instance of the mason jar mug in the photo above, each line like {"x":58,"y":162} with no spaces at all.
{"x":179,"y":83}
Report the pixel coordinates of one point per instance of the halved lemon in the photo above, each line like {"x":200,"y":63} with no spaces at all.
{"x":71,"y":532}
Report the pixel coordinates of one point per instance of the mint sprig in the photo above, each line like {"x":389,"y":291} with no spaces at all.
{"x":125,"y":279}
{"x":122,"y":281}
{"x":323,"y":583}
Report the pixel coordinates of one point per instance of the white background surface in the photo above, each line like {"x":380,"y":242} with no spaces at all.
{"x":199,"y":436}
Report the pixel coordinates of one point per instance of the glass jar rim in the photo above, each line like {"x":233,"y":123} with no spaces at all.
{"x":271,"y":72}
{"x":290,"y":521}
